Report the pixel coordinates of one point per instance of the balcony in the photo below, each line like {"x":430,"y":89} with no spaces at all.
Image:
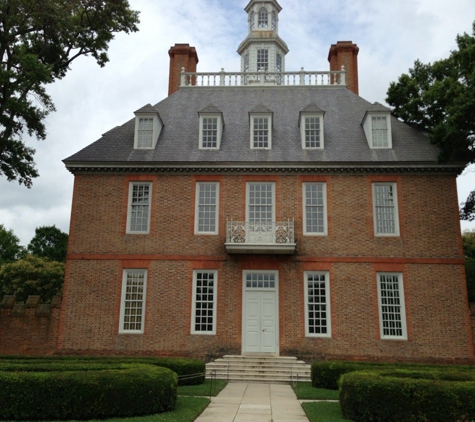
{"x":244,"y":237}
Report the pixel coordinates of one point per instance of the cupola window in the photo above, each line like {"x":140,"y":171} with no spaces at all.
{"x":251,"y":21}
{"x":263,"y":18}
{"x":274,"y":21}
{"x":262,"y":59}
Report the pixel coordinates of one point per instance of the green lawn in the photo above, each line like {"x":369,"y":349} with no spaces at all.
{"x":305,"y":391}
{"x":209,"y":388}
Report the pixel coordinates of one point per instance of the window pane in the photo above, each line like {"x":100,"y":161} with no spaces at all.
{"x":263,"y":18}
{"x":312,"y":132}
{"x":318,"y":318}
{"x":385,"y":209}
{"x":145,"y":133}
{"x":139,"y":208}
{"x":207,"y":203}
{"x":209,"y":137}
{"x":391,"y":303}
{"x":260,"y":132}
{"x":262,"y":60}
{"x":133,"y":305}
{"x":380,"y":131}
{"x":314,"y":208}
{"x":260,"y":202}
{"x":204,"y":301}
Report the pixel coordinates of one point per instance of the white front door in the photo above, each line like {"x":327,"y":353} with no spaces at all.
{"x":260,"y":320}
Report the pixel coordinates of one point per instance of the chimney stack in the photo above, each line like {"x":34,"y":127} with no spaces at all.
{"x":344,"y":53}
{"x":181,"y":55}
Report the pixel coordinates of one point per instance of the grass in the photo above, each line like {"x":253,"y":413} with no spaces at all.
{"x":323,"y":412}
{"x":209,"y":388}
{"x":305,"y":391}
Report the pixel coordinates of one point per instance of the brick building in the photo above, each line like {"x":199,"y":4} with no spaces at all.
{"x":265,"y":211}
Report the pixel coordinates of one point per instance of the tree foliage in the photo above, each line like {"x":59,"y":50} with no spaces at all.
{"x":49,"y":242}
{"x":439,"y":98}
{"x":32,"y":275}
{"x":468,"y":239}
{"x":38,"y":42}
{"x":10,"y":248}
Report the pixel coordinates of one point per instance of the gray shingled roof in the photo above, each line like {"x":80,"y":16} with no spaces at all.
{"x":344,"y":138}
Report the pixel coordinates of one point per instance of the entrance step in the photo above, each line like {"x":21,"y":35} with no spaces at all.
{"x":275,"y":369}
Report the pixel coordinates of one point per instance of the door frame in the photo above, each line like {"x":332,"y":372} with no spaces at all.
{"x":277,"y":324}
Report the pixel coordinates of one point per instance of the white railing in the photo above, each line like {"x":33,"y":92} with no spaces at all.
{"x":260,"y":233}
{"x":231,"y":79}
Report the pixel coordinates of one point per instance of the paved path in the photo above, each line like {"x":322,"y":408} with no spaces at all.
{"x":243,"y":402}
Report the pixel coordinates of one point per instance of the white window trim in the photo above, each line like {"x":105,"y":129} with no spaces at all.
{"x":215,"y":302}
{"x":402,"y":307}
{"x":219,"y":134}
{"x":157,"y":127}
{"x":327,"y":303}
{"x":302,"y":129}
{"x":197,"y":207}
{"x":122,"y":301}
{"x":269,"y":125}
{"x":368,"y":128}
{"x":248,"y":184}
{"x":396,"y":210}
{"x":129,"y":208}
{"x":304,"y":203}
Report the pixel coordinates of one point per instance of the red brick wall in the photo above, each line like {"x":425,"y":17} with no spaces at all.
{"x":428,"y":253}
{"x":181,"y":56}
{"x":345,"y":53}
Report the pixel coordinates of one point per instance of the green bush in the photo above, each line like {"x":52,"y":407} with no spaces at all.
{"x":405,"y":395}
{"x":189,"y":371}
{"x":86,"y":394}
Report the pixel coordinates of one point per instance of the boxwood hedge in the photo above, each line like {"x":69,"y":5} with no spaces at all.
{"x":56,"y":393}
{"x":408,"y":395}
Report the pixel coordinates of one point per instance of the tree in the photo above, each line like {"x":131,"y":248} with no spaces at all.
{"x":439,"y":98}
{"x":32,"y":275}
{"x":38,"y":42}
{"x":468,"y":239}
{"x":10,"y":248}
{"x":49,"y":242}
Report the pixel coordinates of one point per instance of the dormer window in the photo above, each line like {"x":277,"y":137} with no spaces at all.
{"x":311,"y":127}
{"x":148,"y":126}
{"x":263,"y":18}
{"x":377,"y":127}
{"x":211,"y":128}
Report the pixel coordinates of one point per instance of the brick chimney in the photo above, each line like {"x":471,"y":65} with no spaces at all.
{"x":344,"y":53}
{"x":181,"y":55}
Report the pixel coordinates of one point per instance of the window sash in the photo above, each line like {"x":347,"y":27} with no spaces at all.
{"x":263,"y":18}
{"x":260,"y":132}
{"x":207,"y":208}
{"x":209,"y":135}
{"x":380,"y":132}
{"x":315,"y":208}
{"x":312,"y":132}
{"x":139,"y":207}
{"x":385,"y":209}
{"x":145,"y":132}
{"x":133,"y":301}
{"x":392,"y":312}
{"x":317,"y":304}
{"x":260,"y":203}
{"x":262,"y":59}
{"x":204,"y":302}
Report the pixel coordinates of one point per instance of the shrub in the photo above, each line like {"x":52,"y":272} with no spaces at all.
{"x":131,"y":390}
{"x":405,"y":395}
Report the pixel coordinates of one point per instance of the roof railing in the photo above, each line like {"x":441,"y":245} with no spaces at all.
{"x":263,"y":78}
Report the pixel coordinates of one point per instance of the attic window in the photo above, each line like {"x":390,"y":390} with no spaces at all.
{"x":311,"y":127}
{"x":147,"y":127}
{"x":211,"y":128}
{"x":261,"y":131}
{"x":145,"y":132}
{"x":263,"y":18}
{"x":377,"y":127}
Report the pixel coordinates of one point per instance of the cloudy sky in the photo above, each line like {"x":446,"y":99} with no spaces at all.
{"x":91,"y":100}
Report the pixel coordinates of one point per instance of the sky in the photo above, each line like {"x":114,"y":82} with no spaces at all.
{"x":91,"y":100}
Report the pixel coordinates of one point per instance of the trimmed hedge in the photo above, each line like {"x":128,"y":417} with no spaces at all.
{"x":131,"y":390}
{"x":189,"y":371}
{"x":325,"y":374}
{"x":405,"y":395}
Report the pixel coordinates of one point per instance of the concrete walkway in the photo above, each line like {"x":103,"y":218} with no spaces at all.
{"x":243,"y":402}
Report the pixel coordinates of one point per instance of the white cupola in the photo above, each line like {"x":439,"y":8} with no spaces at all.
{"x":263,"y":49}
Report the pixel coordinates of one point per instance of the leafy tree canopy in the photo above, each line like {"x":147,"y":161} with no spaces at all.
{"x":10,"y":248}
{"x":49,"y":242}
{"x":468,"y":239}
{"x":38,"y":42}
{"x":440,"y":98}
{"x":32,"y":275}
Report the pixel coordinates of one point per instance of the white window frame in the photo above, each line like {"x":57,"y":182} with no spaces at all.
{"x":263,"y":18}
{"x":305,"y":205}
{"x":303,"y":130}
{"x":326,"y":281}
{"x":198,"y":207}
{"x":369,"y":130}
{"x":219,"y":129}
{"x":265,"y":116}
{"x":399,"y":312}
{"x":156,"y":128}
{"x":195,"y":299}
{"x":248,"y":190}
{"x":394,"y":206}
{"x":130,"y":206}
{"x":124,"y":300}
{"x":261,"y":54}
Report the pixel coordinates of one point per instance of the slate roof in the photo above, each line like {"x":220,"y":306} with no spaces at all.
{"x":344,"y":139}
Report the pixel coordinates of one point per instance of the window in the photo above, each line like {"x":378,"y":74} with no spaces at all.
{"x":262,"y":18}
{"x":385,"y":209}
{"x":317,"y":304}
{"x":205,"y":283}
{"x":206,"y":220}
{"x":262,"y":60}
{"x":392,"y":313}
{"x":274,"y":21}
{"x":246,"y":63}
{"x":261,"y":131}
{"x":211,"y":129}
{"x":145,"y":133}
{"x":260,"y":202}
{"x":311,"y":131}
{"x":132,"y":305}
{"x":251,"y":21}
{"x":379,"y":126}
{"x":148,"y":125}
{"x":138,"y":220}
{"x":314,"y":208}
{"x":278,"y":62}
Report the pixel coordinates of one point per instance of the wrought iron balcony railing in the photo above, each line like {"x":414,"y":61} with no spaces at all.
{"x":260,"y":237}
